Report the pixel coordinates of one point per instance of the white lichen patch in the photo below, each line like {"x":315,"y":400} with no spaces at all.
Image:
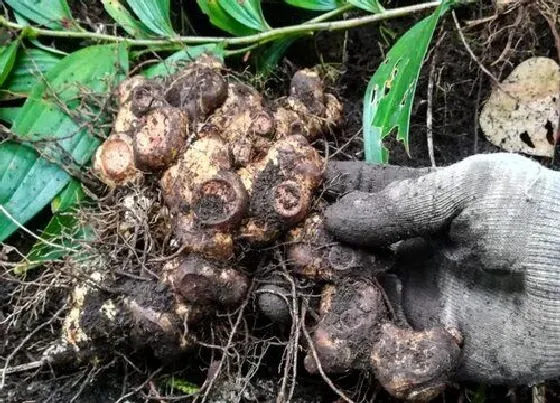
{"x":522,"y":114}
{"x":109,"y":309}
{"x":72,"y":332}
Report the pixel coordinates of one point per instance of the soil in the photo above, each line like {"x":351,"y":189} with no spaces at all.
{"x":30,"y":315}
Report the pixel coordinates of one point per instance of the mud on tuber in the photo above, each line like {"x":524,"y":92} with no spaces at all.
{"x":236,"y":173}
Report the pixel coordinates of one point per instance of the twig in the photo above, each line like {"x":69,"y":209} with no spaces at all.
{"x":25,"y":340}
{"x":274,"y":33}
{"x":538,"y":393}
{"x":476,"y":116}
{"x":28,"y":366}
{"x":32,"y":234}
{"x":475,"y":59}
{"x":430,"y":99}
{"x":139,"y":388}
{"x":207,"y":386}
{"x":550,"y":16}
{"x":340,"y":393}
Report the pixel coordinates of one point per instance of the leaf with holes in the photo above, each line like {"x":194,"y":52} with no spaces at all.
{"x":182,"y":58}
{"x":122,"y":16}
{"x":317,"y":5}
{"x":390,"y":92}
{"x":220,"y":18}
{"x":60,"y":118}
{"x":30,"y":66}
{"x":154,"y":14}
{"x":246,"y":12}
{"x":372,"y":6}
{"x":8,"y":55}
{"x":54,"y":14}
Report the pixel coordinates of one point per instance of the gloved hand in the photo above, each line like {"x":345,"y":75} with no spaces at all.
{"x":495,"y":272}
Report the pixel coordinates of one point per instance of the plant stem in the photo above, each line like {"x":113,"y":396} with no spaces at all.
{"x":309,"y":27}
{"x":333,"y":13}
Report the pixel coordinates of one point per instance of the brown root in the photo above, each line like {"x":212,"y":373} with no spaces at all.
{"x":220,"y":202}
{"x":205,"y":198}
{"x":274,"y":302}
{"x":308,"y":111}
{"x":144,"y":314}
{"x":161,"y":140}
{"x":114,"y":161}
{"x":198,"y":91}
{"x":314,"y":254}
{"x":351,"y":314}
{"x":280,"y":188}
{"x":126,"y":121}
{"x":244,"y":123}
{"x":146,"y":97}
{"x":414,"y":365}
{"x":203,"y":282}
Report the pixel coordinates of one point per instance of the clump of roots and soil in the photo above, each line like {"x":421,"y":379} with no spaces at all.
{"x":210,"y":242}
{"x":208,"y":273}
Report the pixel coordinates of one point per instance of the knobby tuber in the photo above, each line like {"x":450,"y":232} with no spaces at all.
{"x":314,"y":254}
{"x":146,"y":314}
{"x":231,"y":175}
{"x":356,"y":330}
{"x":237,"y":171}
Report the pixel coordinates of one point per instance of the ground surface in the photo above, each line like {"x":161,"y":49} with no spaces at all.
{"x":31,"y":310}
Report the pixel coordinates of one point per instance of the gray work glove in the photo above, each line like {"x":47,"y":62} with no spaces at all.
{"x":495,"y":273}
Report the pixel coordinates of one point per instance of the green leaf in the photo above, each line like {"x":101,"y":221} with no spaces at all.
{"x":121,"y":15}
{"x":60,"y":114}
{"x":317,"y":5}
{"x":30,"y":66}
{"x":155,"y":14}
{"x":268,"y":59}
{"x":72,"y":194}
{"x":7,"y":58}
{"x":54,"y":14}
{"x":182,"y":58}
{"x":63,"y":230}
{"x":372,"y":6}
{"x":390,"y":92}
{"x":220,"y":18}
{"x":246,"y":12}
{"x":182,"y":385}
{"x":9,"y":115}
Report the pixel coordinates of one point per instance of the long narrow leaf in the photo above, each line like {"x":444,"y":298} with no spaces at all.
{"x":268,"y":59}
{"x":220,"y":18}
{"x":372,"y":6}
{"x":31,"y":65}
{"x":317,"y":5}
{"x":54,"y":14}
{"x":390,"y":92}
{"x":122,"y":17}
{"x":63,"y":232}
{"x":182,"y":58}
{"x":9,"y":114}
{"x":246,"y":12}
{"x":7,"y":58}
{"x":59,"y":114}
{"x":155,"y":14}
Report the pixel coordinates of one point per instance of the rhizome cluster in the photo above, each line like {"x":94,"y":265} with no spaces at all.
{"x":237,"y":172}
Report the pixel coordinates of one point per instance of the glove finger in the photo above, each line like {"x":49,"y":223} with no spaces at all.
{"x":345,"y":176}
{"x":410,"y":208}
